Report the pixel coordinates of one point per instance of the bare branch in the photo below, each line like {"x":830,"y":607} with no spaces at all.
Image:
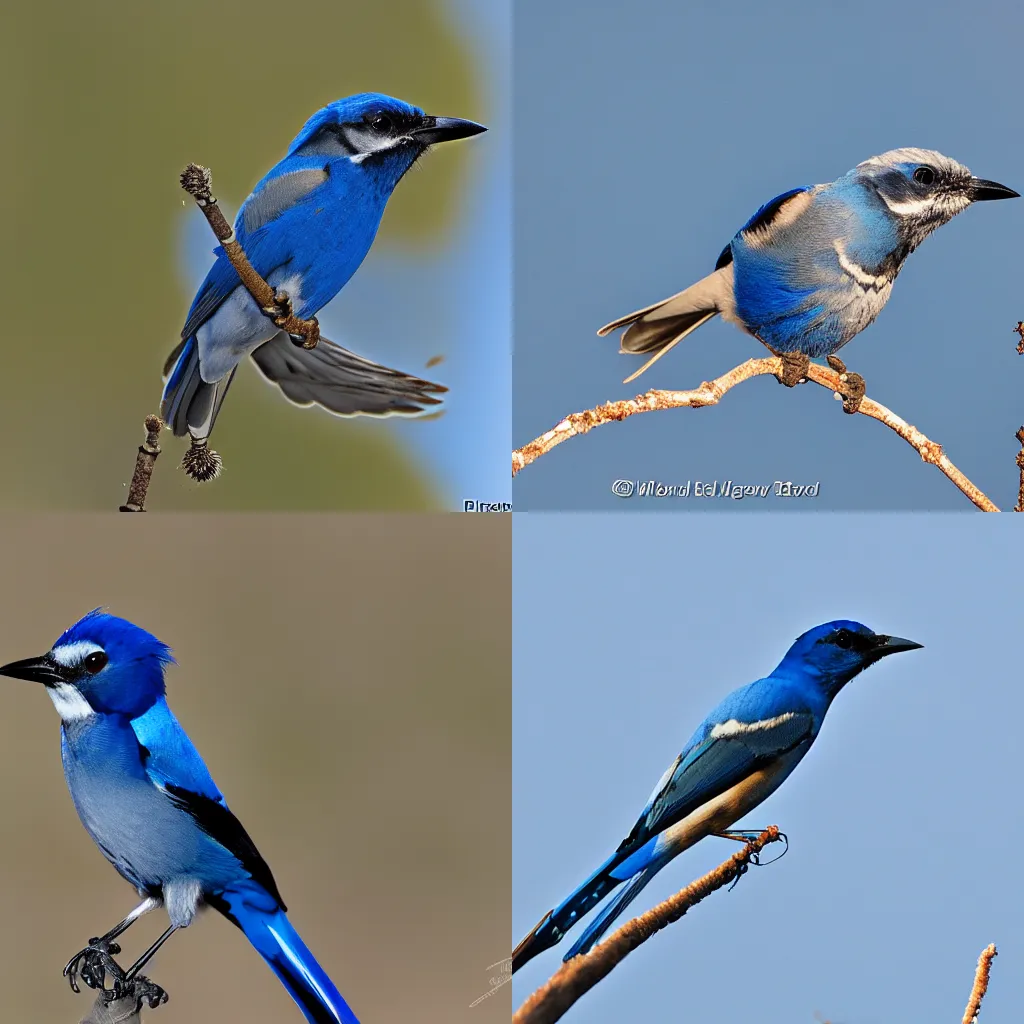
{"x":988,"y":954}
{"x":1019,"y":507}
{"x":711,"y":392}
{"x":144,"y":463}
{"x":575,"y":978}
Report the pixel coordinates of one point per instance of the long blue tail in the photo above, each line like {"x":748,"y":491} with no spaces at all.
{"x":279,"y":944}
{"x":554,"y":924}
{"x":609,"y":912}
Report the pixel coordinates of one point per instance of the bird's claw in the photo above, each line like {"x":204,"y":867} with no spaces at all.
{"x":93,"y":964}
{"x":148,"y":991}
{"x":281,"y":310}
{"x":852,"y":387}
{"x":794,"y":368}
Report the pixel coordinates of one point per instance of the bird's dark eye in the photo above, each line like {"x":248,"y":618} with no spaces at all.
{"x":381,"y":123}
{"x":924,"y":175}
{"x":95,"y":662}
{"x":844,"y":639}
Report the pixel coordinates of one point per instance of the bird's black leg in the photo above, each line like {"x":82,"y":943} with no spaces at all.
{"x":851,"y":385}
{"x":740,"y":835}
{"x":97,"y":959}
{"x":132,"y":974}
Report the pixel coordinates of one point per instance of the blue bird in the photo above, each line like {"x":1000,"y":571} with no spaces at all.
{"x":147,"y":800}
{"x":815,"y":266}
{"x":306,"y":228}
{"x":739,"y":755}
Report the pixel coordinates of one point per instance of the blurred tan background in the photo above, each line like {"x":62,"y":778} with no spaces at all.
{"x":104,"y":104}
{"x":348,"y":681}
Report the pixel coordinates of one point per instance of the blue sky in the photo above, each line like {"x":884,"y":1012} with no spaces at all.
{"x":647,"y":133}
{"x":903,"y":819}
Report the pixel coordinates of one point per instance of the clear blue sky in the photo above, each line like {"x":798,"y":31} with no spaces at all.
{"x":647,"y":133}
{"x":904,"y":819}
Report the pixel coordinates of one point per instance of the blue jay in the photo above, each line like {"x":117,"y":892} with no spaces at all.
{"x":147,"y":800}
{"x":306,"y":227}
{"x":739,"y":755}
{"x":815,"y":266}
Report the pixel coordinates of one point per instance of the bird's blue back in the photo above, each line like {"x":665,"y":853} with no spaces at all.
{"x":323,"y":236}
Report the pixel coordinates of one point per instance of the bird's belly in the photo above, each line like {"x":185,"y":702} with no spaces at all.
{"x":149,"y":840}
{"x":817,"y":321}
{"x":727,"y":808}
{"x":239,"y":327}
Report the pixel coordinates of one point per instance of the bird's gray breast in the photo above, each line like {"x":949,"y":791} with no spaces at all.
{"x":133,"y":823}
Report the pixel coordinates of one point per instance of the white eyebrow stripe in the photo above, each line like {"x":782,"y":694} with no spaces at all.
{"x":70,"y":704}
{"x":75,"y":653}
{"x":734,"y":727}
{"x":366,"y":142}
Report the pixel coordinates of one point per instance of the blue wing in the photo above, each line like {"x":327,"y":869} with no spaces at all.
{"x":169,"y":757}
{"x":714,"y":762}
{"x":761,"y":219}
{"x":266,"y":248}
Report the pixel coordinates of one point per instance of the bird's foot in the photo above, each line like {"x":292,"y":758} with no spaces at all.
{"x":281,"y":309}
{"x":851,"y":385}
{"x":794,"y":368}
{"x":94,"y":963}
{"x":147,"y":991}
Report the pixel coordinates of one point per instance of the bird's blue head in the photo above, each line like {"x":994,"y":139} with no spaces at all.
{"x":834,"y":652}
{"x":924,"y":189}
{"x":380,"y":134}
{"x":101,"y":664}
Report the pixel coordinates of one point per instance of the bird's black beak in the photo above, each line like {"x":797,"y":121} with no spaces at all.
{"x":893,"y":645}
{"x":980,"y":189}
{"x":37,"y":670}
{"x":445,"y":129}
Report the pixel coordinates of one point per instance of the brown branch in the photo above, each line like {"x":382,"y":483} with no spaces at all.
{"x":988,"y":954}
{"x":1019,"y":507}
{"x":197,"y":181}
{"x":575,"y":978}
{"x":144,"y":463}
{"x":711,"y":392}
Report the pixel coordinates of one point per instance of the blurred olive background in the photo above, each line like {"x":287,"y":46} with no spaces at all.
{"x":104,"y":103}
{"x":348,"y":681}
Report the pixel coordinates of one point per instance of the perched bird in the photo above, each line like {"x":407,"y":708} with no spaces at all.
{"x":147,"y":800}
{"x":305,"y":228}
{"x":739,"y":755}
{"x":815,"y":266}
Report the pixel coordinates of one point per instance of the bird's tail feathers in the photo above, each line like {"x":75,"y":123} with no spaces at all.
{"x":554,"y":924}
{"x":189,"y":404}
{"x":661,"y":326}
{"x":604,"y":920}
{"x":274,"y":938}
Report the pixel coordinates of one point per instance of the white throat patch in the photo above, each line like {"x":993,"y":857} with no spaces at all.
{"x":70,"y":704}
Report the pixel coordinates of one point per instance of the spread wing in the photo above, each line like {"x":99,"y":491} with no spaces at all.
{"x":342,"y":382}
